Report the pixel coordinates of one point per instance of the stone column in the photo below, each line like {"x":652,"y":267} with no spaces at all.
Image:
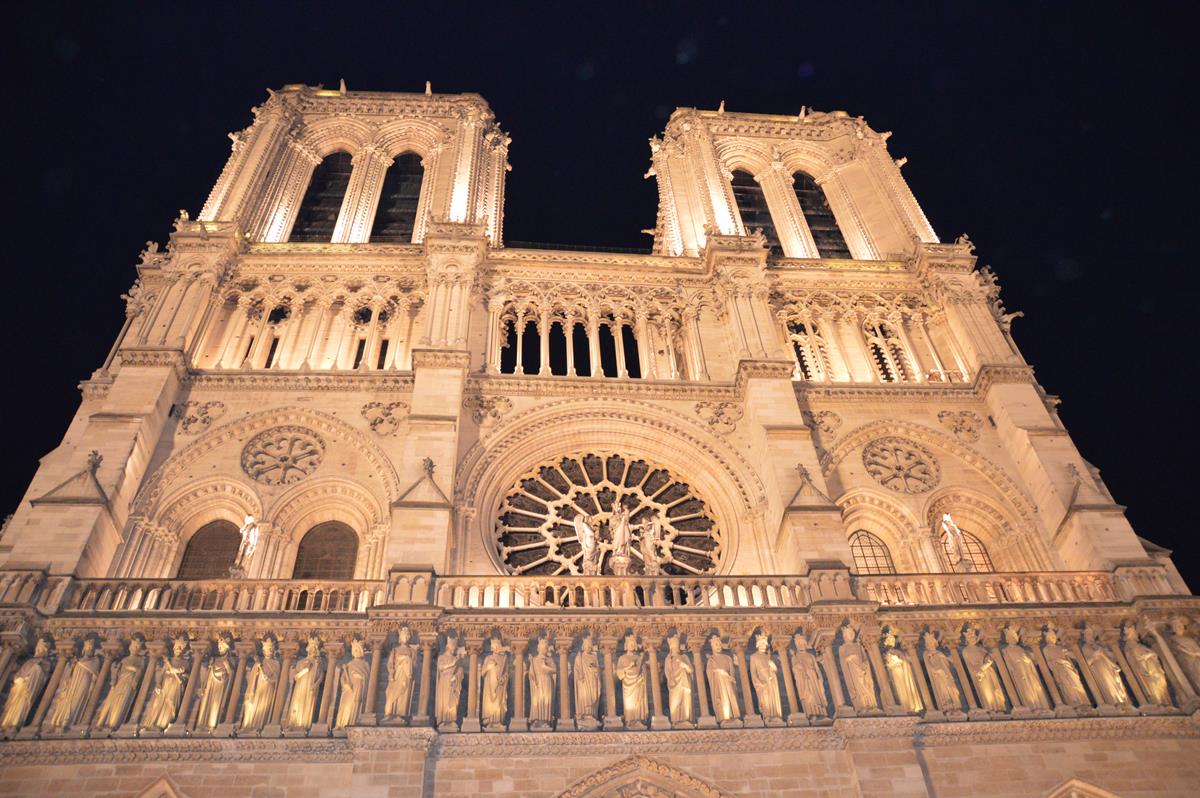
{"x":750,"y":718}
{"x":110,"y":649}
{"x":544,"y":343}
{"x":612,"y":720}
{"x":842,"y":707}
{"x":471,"y":721}
{"x":1048,"y":676}
{"x":428,"y":643}
{"x":245,"y":649}
{"x":658,"y":720}
{"x":155,"y":651}
{"x":706,"y":719}
{"x":968,"y":686}
{"x":1131,"y":676}
{"x":519,"y":722}
{"x":1185,"y":695}
{"x":333,"y":652}
{"x":367,"y":718}
{"x":60,"y":663}
{"x":288,"y":649}
{"x":887,"y":694}
{"x":918,"y":669}
{"x":617,"y":328}
{"x":795,"y":716}
{"x":566,"y":720}
{"x":180,"y":725}
{"x":495,"y":334}
{"x":593,"y":329}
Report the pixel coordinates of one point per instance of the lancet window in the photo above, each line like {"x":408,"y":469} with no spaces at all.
{"x":396,"y":214}
{"x":210,"y":552}
{"x":752,"y":205}
{"x":887,"y":351}
{"x":327,"y":551}
{"x":810,"y":350}
{"x":871,"y":555}
{"x":322,"y":201}
{"x":819,"y":216}
{"x":561,"y":345}
{"x":967,"y":555}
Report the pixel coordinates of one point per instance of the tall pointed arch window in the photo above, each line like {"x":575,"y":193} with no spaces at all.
{"x":970,"y":556}
{"x":821,"y":223}
{"x":327,"y":551}
{"x":887,"y":351}
{"x":210,"y":552}
{"x":396,"y":214}
{"x":752,"y":205}
{"x":322,"y":201}
{"x":871,"y":555}
{"x":810,"y":349}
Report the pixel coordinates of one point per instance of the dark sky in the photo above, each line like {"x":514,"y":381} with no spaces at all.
{"x":1059,"y":136}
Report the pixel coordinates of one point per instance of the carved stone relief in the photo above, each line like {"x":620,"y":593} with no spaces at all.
{"x":487,"y":408}
{"x":283,"y":455}
{"x":964,"y":424}
{"x":384,"y":419}
{"x":721,"y":417}
{"x":826,"y":421}
{"x":901,"y":465}
{"x":198,"y":416}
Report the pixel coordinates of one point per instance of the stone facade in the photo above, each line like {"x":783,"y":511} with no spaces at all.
{"x":364,"y":502}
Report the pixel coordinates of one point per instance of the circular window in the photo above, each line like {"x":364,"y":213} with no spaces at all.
{"x":534,"y":534}
{"x":282,"y":455}
{"x":902,"y":465}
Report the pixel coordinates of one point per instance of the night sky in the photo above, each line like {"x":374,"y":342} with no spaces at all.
{"x":1059,"y":136}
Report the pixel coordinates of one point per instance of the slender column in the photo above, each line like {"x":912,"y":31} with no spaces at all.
{"x":841,"y":707}
{"x":544,"y":343}
{"x":706,"y":720}
{"x":1184,"y":692}
{"x":367,"y":718}
{"x":593,"y":330}
{"x":333,"y":652}
{"x":255,"y":353}
{"x":421,"y":716}
{"x":342,"y":322}
{"x":910,"y":351}
{"x":670,"y":333}
{"x":855,"y":332}
{"x":611,"y":719}
{"x":658,"y":720}
{"x":519,"y":722}
{"x":8,"y":653}
{"x":60,"y":663}
{"x":566,"y":720}
{"x":245,"y":650}
{"x":110,"y":648}
{"x":519,"y":365}
{"x":569,"y":334}
{"x":1005,"y":676}
{"x":918,"y":669}
{"x":968,"y":687}
{"x":495,"y":334}
{"x":692,"y":324}
{"x":795,"y":715}
{"x":185,"y":704}
{"x":751,"y":718}
{"x":1048,"y":675}
{"x":237,"y":320}
{"x":324,"y":307}
{"x":155,"y":651}
{"x":289,"y":649}
{"x":471,"y":721}
{"x":1135,"y":683}
{"x":372,"y":337}
{"x":617,"y":328}
{"x":647,"y":358}
{"x":923,"y":329}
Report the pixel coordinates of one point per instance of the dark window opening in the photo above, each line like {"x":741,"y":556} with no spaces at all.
{"x":249,"y":348}
{"x":396,"y":214}
{"x":608,"y":351}
{"x":359,"y":352}
{"x":210,"y":552}
{"x":558,"y":350}
{"x":885,"y":368}
{"x":271,"y":352}
{"x":752,"y":205}
{"x":383,"y":348}
{"x":508,"y":355}
{"x":871,"y":555}
{"x":328,"y":551}
{"x":583,"y":354}
{"x":973,"y":557}
{"x":802,"y":361}
{"x":322,"y":201}
{"x":821,"y":223}
{"x":280,"y":313}
{"x":362,"y":316}
{"x":633,"y":365}
{"x":531,"y":351}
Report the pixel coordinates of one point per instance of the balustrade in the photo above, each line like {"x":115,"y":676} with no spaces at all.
{"x":233,"y":595}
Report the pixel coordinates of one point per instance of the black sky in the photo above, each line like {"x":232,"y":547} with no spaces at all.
{"x":1060,"y":136}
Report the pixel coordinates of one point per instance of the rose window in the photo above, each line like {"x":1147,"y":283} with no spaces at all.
{"x":534,"y":534}
{"x":282,"y":455}
{"x":901,"y":465}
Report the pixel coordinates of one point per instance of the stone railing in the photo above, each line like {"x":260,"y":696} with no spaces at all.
{"x":223,"y":595}
{"x":994,"y":588}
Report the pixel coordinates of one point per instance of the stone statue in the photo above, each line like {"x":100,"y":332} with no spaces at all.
{"x":764,"y":674}
{"x":622,"y":534}
{"x":1024,"y":672}
{"x":652,"y":535}
{"x":402,"y":664}
{"x":941,"y":676}
{"x":25,"y":688}
{"x":306,"y":678}
{"x":1148,"y":667}
{"x":449,"y":683}
{"x":900,"y":672}
{"x":1185,"y":649}
{"x":953,"y":547}
{"x":125,"y":679}
{"x":856,"y":669}
{"x":261,"y":682}
{"x":1066,"y":674}
{"x":76,"y":686}
{"x":631,"y":672}
{"x":249,"y":536}
{"x":352,"y":686}
{"x":1105,"y":670}
{"x":810,"y":685}
{"x":163,"y":707}
{"x":678,"y":670}
{"x":586,"y":535}
{"x":983,"y":671}
{"x":215,"y":689}
{"x":495,"y":686}
{"x":587,"y":681}
{"x":543,"y":678}
{"x":722,"y":684}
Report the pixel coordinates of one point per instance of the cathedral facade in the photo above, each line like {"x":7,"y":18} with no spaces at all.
{"x":364,"y":502}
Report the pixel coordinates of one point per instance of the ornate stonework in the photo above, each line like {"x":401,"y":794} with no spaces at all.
{"x":282,"y":455}
{"x":901,"y":465}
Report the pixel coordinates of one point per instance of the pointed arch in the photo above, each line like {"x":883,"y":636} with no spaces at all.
{"x":163,"y":787}
{"x":655,"y":778}
{"x":1078,"y":788}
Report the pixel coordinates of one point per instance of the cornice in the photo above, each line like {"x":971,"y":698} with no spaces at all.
{"x":929,"y":735}
{"x":929,"y":392}
{"x":512,"y":385}
{"x":374,"y":382}
{"x":60,"y":752}
{"x":460,"y":746}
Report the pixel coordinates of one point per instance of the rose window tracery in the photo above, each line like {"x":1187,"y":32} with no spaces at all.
{"x":282,"y":455}
{"x":901,"y":465}
{"x":535,"y":535}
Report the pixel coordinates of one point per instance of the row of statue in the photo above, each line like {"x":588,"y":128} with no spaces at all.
{"x":650,"y":538}
{"x":708,"y":682}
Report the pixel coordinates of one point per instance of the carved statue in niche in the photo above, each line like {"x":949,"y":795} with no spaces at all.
{"x":622,"y":537}
{"x":495,"y":686}
{"x":306,"y":686}
{"x":954,"y":544}
{"x":25,"y":687}
{"x":585,"y":533}
{"x":764,"y":674}
{"x":810,"y":685}
{"x":941,"y":675}
{"x":1148,"y":667}
{"x":352,"y":686}
{"x":249,"y":542}
{"x":261,"y":682}
{"x":402,"y":663}
{"x":631,"y":672}
{"x":125,"y":679}
{"x":163,"y":707}
{"x":856,"y":668}
{"x":542,"y":681}
{"x":983,"y":671}
{"x":652,"y":534}
{"x":1066,"y":673}
{"x":900,"y":672}
{"x":1185,"y":649}
{"x":1105,"y":670}
{"x":678,"y":670}
{"x":1024,"y":672}
{"x":215,"y":688}
{"x":75,"y":687}
{"x":449,"y":684}
{"x":722,"y":684}
{"x":587,"y":682}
